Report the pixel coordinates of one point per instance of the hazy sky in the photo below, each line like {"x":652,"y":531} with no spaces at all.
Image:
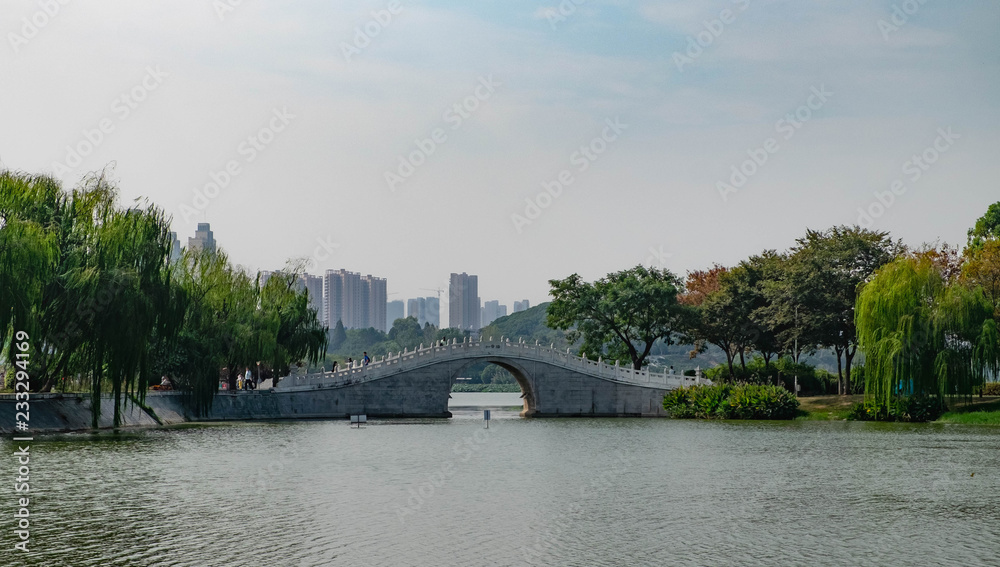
{"x":311,"y":104}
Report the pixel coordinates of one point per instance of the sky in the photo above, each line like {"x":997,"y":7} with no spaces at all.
{"x":518,"y":141}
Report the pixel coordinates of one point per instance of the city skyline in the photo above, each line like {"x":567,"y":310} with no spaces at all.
{"x":430,"y":310}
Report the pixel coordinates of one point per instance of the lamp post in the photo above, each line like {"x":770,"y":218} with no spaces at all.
{"x":258,"y":373}
{"x":796,"y":335}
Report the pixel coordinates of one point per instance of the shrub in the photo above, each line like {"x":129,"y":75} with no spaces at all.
{"x":724,"y":401}
{"x":919,"y":408}
{"x":678,"y":403}
{"x":861,"y":412}
{"x":812,"y":380}
{"x":913,"y":409}
{"x":991,"y":389}
{"x":748,"y":401}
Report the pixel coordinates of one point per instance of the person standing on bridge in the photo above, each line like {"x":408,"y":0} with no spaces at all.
{"x":365,"y":360}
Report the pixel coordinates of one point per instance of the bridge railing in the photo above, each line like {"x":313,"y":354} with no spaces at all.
{"x":405,"y":360}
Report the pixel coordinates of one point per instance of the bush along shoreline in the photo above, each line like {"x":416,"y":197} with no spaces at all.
{"x":731,"y":401}
{"x":912,"y":409}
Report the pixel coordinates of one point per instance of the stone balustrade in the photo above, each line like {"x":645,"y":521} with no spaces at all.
{"x":392,"y":364}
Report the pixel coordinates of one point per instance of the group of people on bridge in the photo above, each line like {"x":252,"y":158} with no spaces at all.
{"x":244,"y":381}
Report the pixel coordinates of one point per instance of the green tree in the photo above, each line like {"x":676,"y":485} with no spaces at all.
{"x":922,"y":334}
{"x":751,"y":281}
{"x":28,"y":250}
{"x":982,"y":269}
{"x":338,"y":336}
{"x":295,"y":326}
{"x":406,"y":332}
{"x":105,"y":301}
{"x":91,"y":282}
{"x":987,"y":227}
{"x":622,"y":314}
{"x":713,"y":321}
{"x":817,"y":302}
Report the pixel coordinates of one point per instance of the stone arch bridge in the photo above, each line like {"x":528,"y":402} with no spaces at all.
{"x":418,"y":384}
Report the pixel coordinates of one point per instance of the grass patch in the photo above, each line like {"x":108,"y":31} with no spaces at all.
{"x":827,"y":408}
{"x":971,"y":418}
{"x":976,"y":411}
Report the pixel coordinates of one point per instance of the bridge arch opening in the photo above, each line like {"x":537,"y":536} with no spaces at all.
{"x":520,"y":376}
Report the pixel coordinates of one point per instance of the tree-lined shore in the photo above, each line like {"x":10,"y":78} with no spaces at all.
{"x":924,"y":318}
{"x":92,"y":283}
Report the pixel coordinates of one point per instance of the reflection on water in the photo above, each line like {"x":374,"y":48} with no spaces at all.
{"x":485,"y":400}
{"x":539,"y":492}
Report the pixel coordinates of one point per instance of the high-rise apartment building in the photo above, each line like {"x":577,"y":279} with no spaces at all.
{"x":463,"y":302}
{"x":432,"y":310}
{"x":393,"y":311}
{"x":358,"y":302}
{"x":203,"y":238}
{"x":424,"y":310}
{"x":492,"y":310}
{"x":314,"y":285}
{"x":374,"y":298}
{"x":417,"y":308}
{"x":521,"y":306}
{"x":175,"y":247}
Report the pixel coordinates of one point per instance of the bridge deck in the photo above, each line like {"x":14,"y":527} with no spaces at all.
{"x":391,"y":365}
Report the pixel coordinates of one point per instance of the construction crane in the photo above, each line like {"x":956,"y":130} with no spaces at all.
{"x":438,"y":290}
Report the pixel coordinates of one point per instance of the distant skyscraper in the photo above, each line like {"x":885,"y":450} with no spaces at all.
{"x":424,"y":310}
{"x":175,"y":247}
{"x":492,"y":310}
{"x":521,"y":306}
{"x":314,"y":284}
{"x":433,"y":311}
{"x":417,"y":308}
{"x":203,"y":238}
{"x":463,"y":302}
{"x":393,"y":311}
{"x":373,"y":293}
{"x":358,"y":302}
{"x":342,"y":297}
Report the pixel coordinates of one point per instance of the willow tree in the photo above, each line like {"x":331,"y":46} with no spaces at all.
{"x":129,"y":256}
{"x":93,"y":282}
{"x":923,"y":335}
{"x":114,"y":289}
{"x":28,"y":251}
{"x":297,"y":332}
{"x":202,"y":290}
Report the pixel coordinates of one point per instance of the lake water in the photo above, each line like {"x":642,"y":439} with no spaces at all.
{"x":524,"y":492}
